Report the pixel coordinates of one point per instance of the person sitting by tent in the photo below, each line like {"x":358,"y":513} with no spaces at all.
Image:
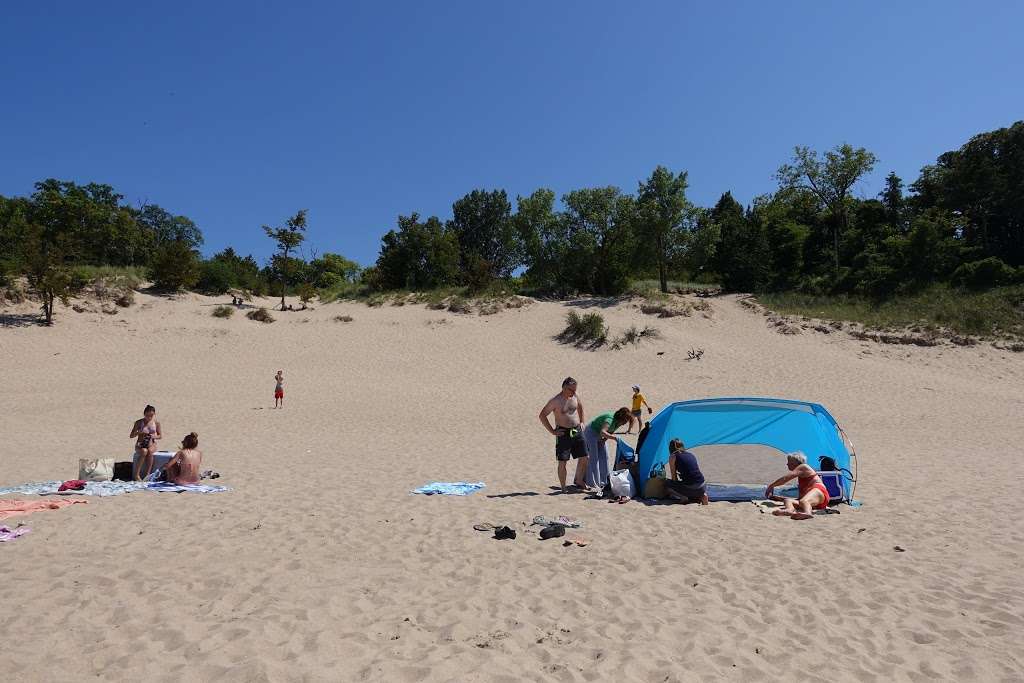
{"x":686,"y":482}
{"x":600,"y":429}
{"x":811,"y":490}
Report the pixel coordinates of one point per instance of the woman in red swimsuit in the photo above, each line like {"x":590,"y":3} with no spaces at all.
{"x":812,"y":492}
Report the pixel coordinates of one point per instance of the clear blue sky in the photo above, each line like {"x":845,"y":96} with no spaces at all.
{"x":239,"y":113}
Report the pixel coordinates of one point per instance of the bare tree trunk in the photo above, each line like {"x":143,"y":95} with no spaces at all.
{"x":661,"y":264}
{"x":48,"y":307}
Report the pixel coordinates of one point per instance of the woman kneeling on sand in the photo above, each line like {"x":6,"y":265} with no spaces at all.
{"x":183,"y":468}
{"x":811,"y":491}
{"x":686,"y":482}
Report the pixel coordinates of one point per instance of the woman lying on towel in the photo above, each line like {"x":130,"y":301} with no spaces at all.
{"x":811,"y":491}
{"x":183,"y":468}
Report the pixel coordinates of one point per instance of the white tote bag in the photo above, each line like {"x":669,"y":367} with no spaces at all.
{"x":99,"y":469}
{"x":622,"y":483}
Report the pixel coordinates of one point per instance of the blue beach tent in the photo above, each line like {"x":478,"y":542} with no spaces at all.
{"x":778,"y":423}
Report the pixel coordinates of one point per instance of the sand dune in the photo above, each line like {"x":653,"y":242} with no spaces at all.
{"x":319,"y":565}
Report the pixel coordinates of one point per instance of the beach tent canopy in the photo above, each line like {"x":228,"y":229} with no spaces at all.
{"x":778,"y":423}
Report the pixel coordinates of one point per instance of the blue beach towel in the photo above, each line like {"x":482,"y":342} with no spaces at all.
{"x":164,"y":487}
{"x":449,"y":488}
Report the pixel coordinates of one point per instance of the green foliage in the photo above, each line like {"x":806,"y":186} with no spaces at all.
{"x":419,"y":256}
{"x":175,"y":266}
{"x":982,"y":181}
{"x":215,"y":277}
{"x":489,"y":244}
{"x":597,"y":240}
{"x":984,"y":274}
{"x":261,"y":314}
{"x":223,"y":312}
{"x":288,"y":238}
{"x":742,"y":257}
{"x":588,"y":329}
{"x":662,"y":214}
{"x":332,"y":270}
{"x":829,"y":180}
{"x":46,"y":256}
{"x":995,"y":313}
{"x":634,"y":335}
{"x":306,"y":292}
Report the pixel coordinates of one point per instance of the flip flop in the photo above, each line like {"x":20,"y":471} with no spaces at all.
{"x":577,"y":541}
{"x":504,"y":533}
{"x":485,"y":526}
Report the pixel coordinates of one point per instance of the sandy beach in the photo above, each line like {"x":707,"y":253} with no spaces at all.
{"x":320,"y":565}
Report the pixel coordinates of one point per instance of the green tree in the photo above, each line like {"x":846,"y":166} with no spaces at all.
{"x":829,"y":179}
{"x":599,"y":223}
{"x":482,"y":225}
{"x":543,"y":236}
{"x":983,"y":181}
{"x":742,"y":257}
{"x":662,"y":209}
{"x":46,"y":258}
{"x":332,"y":269}
{"x":418,"y":256}
{"x":91,"y":215}
{"x":161,"y":227}
{"x":892,"y":199}
{"x":175,"y":266}
{"x":288,"y":238}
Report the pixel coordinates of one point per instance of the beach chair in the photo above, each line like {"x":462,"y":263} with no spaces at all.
{"x":833,"y":482}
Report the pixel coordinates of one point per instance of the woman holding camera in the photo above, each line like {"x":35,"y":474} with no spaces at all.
{"x":146,"y":433}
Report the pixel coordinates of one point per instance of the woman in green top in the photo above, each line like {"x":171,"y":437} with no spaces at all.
{"x":600,"y":429}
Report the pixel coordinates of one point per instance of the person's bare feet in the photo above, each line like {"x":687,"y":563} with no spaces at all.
{"x":801,"y":515}
{"x":782,"y":513}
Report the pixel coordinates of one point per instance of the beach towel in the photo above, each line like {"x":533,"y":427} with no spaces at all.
{"x":8,"y":534}
{"x":449,"y":488}
{"x":92,"y":488}
{"x":14,"y":508}
{"x":571,"y":522}
{"x":166,"y":487}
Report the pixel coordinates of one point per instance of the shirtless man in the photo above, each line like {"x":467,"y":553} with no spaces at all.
{"x":569,"y":443}
{"x":183,"y":468}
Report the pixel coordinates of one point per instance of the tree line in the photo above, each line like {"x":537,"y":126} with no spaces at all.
{"x":960,"y":222}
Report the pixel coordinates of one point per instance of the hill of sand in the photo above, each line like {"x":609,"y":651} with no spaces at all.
{"x":319,"y":564}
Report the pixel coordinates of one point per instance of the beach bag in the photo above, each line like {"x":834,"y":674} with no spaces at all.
{"x":655,"y":488}
{"x":123,"y":471}
{"x":622,"y":484}
{"x":99,"y":469}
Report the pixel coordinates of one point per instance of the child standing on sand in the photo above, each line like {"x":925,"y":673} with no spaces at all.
{"x":638,"y":403}
{"x":279,"y":389}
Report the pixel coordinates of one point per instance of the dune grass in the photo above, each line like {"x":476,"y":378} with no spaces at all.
{"x":128,"y":277}
{"x":991,"y":314}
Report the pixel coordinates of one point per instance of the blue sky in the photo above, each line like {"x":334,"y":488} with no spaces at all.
{"x":237,"y":114}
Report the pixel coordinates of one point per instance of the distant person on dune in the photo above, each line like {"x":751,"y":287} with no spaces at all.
{"x":811,"y":491}
{"x":568,"y":410}
{"x":279,"y":389}
{"x":146,"y":433}
{"x":183,"y":468}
